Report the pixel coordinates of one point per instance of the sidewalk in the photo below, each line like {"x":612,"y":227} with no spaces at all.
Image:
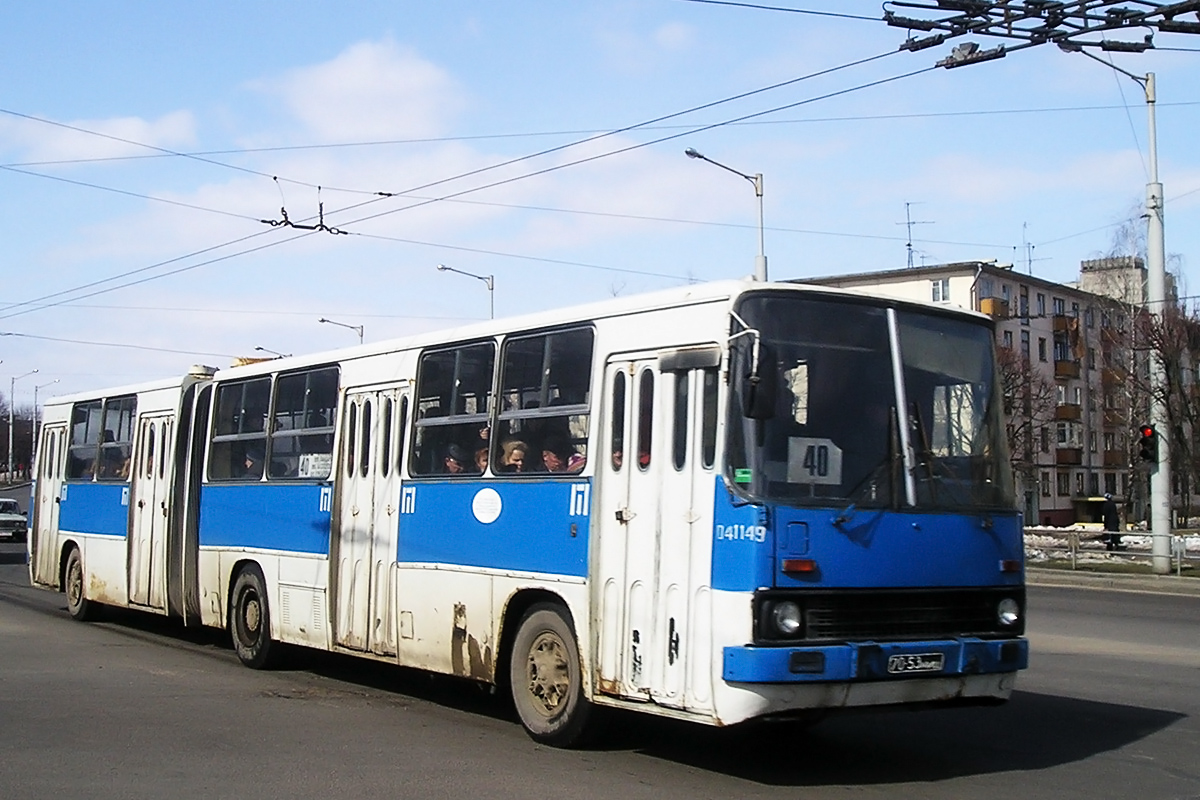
{"x":1157,"y":584}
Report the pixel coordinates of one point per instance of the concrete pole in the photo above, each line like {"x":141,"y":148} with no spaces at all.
{"x":1156,"y":297}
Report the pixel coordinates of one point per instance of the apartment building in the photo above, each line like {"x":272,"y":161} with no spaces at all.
{"x":1072,"y":432}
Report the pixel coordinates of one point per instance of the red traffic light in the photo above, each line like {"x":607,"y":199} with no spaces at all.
{"x":1147,"y":443}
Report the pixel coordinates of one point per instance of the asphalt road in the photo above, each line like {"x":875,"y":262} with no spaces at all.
{"x":138,"y":707}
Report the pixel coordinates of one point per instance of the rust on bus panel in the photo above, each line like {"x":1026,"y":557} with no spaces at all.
{"x":467,"y":657}
{"x":98,"y":590}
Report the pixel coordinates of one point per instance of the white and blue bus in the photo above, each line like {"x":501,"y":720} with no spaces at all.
{"x":718,"y":503}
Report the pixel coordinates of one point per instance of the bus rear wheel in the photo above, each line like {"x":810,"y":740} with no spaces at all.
{"x":78,"y":605}
{"x":547,"y":679}
{"x":250,"y":621}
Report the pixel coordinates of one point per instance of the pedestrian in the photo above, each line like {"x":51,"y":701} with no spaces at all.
{"x":1112,"y":524}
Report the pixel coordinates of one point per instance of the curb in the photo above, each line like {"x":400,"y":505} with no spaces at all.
{"x":1149,"y":584}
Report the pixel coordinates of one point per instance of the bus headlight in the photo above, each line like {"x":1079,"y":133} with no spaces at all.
{"x":785,"y":616}
{"x":1008,"y":612}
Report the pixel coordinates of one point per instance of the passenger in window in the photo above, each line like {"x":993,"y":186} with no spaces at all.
{"x":618,"y":458}
{"x":481,"y":459}
{"x":559,"y":456}
{"x":111,"y":463}
{"x":512,"y":456}
{"x":456,"y":460}
{"x":253,"y":464}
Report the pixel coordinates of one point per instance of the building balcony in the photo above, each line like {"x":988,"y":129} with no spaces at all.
{"x":1068,"y":456}
{"x":1115,"y":417}
{"x":1116,"y":458}
{"x":1064,"y":323}
{"x":1066,"y":369}
{"x":994,"y":307}
{"x":1068,"y":411}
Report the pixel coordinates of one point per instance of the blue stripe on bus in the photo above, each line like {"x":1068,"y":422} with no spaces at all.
{"x":96,"y":508}
{"x":269,"y":516}
{"x":541,"y":526}
{"x":874,"y":548}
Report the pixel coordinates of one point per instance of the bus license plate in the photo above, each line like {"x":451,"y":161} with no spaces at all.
{"x":919,"y":662}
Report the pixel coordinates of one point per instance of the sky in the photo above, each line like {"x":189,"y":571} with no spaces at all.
{"x":146,"y":147}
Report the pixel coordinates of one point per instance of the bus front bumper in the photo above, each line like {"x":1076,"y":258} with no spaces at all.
{"x":874,"y":661}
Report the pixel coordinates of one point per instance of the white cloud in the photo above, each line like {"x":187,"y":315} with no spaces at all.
{"x":371,"y":91}
{"x":39,"y":141}
{"x":674,"y":36}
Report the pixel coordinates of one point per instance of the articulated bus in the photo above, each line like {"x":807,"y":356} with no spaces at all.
{"x":718,"y":503}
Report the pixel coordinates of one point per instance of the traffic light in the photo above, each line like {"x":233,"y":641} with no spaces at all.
{"x":1148,"y":443}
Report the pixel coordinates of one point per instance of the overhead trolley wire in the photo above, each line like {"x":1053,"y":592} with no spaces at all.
{"x":804,"y":11}
{"x":536,"y":134}
{"x":11,"y":310}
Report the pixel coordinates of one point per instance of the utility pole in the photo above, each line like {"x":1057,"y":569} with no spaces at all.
{"x":1072,"y":26}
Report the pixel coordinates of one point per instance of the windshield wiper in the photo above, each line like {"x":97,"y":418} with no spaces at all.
{"x":886,"y":468}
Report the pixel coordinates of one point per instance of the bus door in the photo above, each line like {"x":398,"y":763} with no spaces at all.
{"x":364,"y":586}
{"x":686,"y":461}
{"x":43,"y":533}
{"x":150,"y":510}
{"x":630,"y":518}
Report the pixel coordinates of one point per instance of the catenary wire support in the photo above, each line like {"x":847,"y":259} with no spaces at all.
{"x":285,"y":222}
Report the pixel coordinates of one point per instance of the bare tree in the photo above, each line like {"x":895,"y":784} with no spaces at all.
{"x":1029,"y":402}
{"x":1174,"y":340}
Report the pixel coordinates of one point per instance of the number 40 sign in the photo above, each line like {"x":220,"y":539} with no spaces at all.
{"x":814,"y":461}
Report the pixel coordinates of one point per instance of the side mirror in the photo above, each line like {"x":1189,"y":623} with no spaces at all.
{"x":760,"y":386}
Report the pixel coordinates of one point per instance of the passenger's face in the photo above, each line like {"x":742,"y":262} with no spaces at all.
{"x":553,"y":463}
{"x":453,"y":466}
{"x":516,"y":460}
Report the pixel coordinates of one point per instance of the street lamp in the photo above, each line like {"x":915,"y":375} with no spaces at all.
{"x":490,"y":280}
{"x":278,"y":354}
{"x":356,"y":328}
{"x":12,"y":385}
{"x":1156,"y":298}
{"x":34,"y":426}
{"x":760,"y":261}
{"x":1064,"y":23}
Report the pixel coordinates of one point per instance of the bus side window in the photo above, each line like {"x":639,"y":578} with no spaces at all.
{"x":401,"y":430}
{"x":645,"y":436}
{"x":454,"y":391}
{"x":617,"y":443}
{"x":302,"y":424}
{"x":679,"y":432}
{"x":85,"y":440}
{"x":545,"y":390}
{"x":385,"y":437}
{"x":239,"y":441}
{"x":708,"y":418}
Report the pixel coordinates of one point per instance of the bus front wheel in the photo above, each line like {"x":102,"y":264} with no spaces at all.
{"x":78,"y":605}
{"x":250,"y":623}
{"x":546,"y":678}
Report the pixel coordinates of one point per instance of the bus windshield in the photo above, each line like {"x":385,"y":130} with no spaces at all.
{"x":822,"y":424}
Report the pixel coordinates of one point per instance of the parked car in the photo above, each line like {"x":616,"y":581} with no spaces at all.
{"x":13,"y":523}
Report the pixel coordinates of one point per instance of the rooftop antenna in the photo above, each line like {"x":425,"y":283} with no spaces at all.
{"x":908,"y":223}
{"x":1027,"y":248}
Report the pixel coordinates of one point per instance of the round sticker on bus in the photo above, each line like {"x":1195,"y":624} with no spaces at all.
{"x":486,"y":506}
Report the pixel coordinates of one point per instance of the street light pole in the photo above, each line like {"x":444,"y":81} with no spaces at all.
{"x":12,"y":387}
{"x":760,"y":261}
{"x":1156,"y":303}
{"x":490,"y":280}
{"x":1065,"y":24}
{"x":34,"y":426}
{"x":356,"y":328}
